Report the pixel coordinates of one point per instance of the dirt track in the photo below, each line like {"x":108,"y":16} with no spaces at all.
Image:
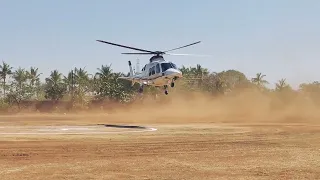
{"x":193,"y":144}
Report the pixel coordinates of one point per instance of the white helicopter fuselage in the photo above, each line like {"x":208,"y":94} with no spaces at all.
{"x":156,"y":73}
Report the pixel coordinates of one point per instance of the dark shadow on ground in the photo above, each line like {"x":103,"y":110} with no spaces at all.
{"x":122,"y":126}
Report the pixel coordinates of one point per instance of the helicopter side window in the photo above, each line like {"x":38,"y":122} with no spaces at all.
{"x":150,"y":71}
{"x":158,"y":68}
{"x":153,"y":70}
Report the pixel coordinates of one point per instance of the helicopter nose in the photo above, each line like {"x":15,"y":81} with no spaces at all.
{"x":173,"y":73}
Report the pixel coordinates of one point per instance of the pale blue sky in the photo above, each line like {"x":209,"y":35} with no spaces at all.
{"x":280,"y":38}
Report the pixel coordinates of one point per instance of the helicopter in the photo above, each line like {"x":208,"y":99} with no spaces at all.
{"x":158,"y":72}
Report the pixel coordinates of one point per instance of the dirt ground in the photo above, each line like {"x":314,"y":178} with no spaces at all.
{"x":195,"y":139}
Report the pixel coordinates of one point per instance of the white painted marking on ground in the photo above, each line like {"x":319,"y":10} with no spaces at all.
{"x":74,"y":130}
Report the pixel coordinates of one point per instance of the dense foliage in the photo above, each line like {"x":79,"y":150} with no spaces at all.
{"x":78,"y":87}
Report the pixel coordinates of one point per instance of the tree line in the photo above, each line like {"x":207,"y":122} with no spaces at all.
{"x":81,"y":88}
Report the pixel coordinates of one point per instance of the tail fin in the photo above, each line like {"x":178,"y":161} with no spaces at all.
{"x":130,"y":67}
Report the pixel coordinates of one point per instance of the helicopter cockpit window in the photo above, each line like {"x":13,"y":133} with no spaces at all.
{"x":173,"y":66}
{"x":158,"y":68}
{"x":166,"y":66}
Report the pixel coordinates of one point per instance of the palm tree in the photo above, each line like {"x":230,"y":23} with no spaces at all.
{"x":258,"y":80}
{"x":5,"y":71}
{"x":34,"y":76}
{"x":105,"y":72}
{"x":54,"y":79}
{"x":55,"y":88}
{"x":281,"y":85}
{"x":185,"y":71}
{"x":81,"y":76}
{"x":82,"y":80}
{"x":69,"y":81}
{"x":200,"y":71}
{"x":20,"y":76}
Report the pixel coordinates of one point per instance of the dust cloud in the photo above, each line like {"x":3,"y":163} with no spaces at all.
{"x":195,"y":107}
{"x":245,"y":107}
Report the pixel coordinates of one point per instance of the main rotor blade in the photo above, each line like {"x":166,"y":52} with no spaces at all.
{"x":137,"y":49}
{"x":197,"y":55}
{"x":138,"y":53}
{"x":183,"y":46}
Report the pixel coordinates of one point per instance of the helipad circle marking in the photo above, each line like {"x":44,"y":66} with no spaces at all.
{"x":66,"y":130}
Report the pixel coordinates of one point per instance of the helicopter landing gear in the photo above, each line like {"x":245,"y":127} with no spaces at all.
{"x":172,"y":84}
{"x":166,"y":90}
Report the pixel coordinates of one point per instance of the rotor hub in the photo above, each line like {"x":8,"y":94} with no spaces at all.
{"x":158,"y":53}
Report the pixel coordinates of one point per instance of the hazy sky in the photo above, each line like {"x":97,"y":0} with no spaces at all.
{"x":280,"y":38}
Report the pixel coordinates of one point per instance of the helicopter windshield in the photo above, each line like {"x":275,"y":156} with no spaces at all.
{"x":173,"y":66}
{"x":166,"y":66}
